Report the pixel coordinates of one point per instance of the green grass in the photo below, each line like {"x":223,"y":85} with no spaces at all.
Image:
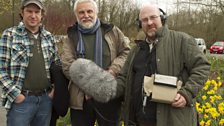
{"x":64,"y":121}
{"x":217,"y":67}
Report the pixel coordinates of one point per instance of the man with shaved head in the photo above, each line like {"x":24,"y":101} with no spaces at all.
{"x":165,"y":52}
{"x":150,"y":19}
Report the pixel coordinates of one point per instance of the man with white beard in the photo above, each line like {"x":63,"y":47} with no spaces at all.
{"x":106,"y":46}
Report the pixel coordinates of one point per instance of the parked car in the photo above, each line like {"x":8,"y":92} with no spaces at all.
{"x":217,"y":47}
{"x":201,"y":44}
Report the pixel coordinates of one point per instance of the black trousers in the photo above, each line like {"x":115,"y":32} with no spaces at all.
{"x":54,"y":117}
{"x":106,"y":114}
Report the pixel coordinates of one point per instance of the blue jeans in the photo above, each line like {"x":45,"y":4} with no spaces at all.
{"x":33,"y":111}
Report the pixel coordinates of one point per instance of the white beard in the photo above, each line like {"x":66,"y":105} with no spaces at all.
{"x":93,"y":80}
{"x":87,"y":25}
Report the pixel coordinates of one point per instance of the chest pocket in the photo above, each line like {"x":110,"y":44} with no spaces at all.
{"x":19,"y":53}
{"x":49,"y":52}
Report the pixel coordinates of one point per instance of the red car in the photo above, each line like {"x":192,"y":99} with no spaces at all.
{"x":217,"y":47}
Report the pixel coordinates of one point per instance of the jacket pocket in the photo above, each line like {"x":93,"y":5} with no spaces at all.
{"x":77,"y":96}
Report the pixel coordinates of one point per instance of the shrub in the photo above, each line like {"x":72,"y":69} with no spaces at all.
{"x":210,"y":105}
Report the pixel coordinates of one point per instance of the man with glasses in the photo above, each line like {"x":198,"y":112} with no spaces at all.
{"x":165,"y":52}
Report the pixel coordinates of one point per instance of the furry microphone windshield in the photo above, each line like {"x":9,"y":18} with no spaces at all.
{"x":93,"y":80}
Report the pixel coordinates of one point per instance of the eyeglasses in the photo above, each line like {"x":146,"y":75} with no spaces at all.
{"x":151,"y":18}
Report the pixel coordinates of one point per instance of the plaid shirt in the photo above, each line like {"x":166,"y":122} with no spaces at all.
{"x":14,"y":58}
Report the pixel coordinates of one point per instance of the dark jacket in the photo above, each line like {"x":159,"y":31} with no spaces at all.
{"x":176,"y":55}
{"x":61,"y":94}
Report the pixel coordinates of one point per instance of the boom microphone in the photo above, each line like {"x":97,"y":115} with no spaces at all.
{"x":93,"y":80}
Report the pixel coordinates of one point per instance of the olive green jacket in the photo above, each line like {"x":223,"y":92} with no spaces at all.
{"x":119,"y":49}
{"x":176,"y":55}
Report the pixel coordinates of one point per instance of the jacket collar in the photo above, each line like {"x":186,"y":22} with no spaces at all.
{"x":21,"y":30}
{"x":161,"y":31}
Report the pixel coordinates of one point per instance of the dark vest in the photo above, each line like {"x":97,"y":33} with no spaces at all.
{"x":144,"y":64}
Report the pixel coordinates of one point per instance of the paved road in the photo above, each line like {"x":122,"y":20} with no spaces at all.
{"x":2,"y":113}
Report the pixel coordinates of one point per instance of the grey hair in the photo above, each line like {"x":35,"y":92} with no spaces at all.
{"x":93,"y":2}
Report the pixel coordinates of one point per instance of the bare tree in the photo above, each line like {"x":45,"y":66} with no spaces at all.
{"x":200,"y":18}
{"x":60,"y":15}
{"x":6,"y":5}
{"x":122,"y":13}
{"x":203,"y":18}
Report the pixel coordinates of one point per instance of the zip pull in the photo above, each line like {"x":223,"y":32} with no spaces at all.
{"x":144,"y":103}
